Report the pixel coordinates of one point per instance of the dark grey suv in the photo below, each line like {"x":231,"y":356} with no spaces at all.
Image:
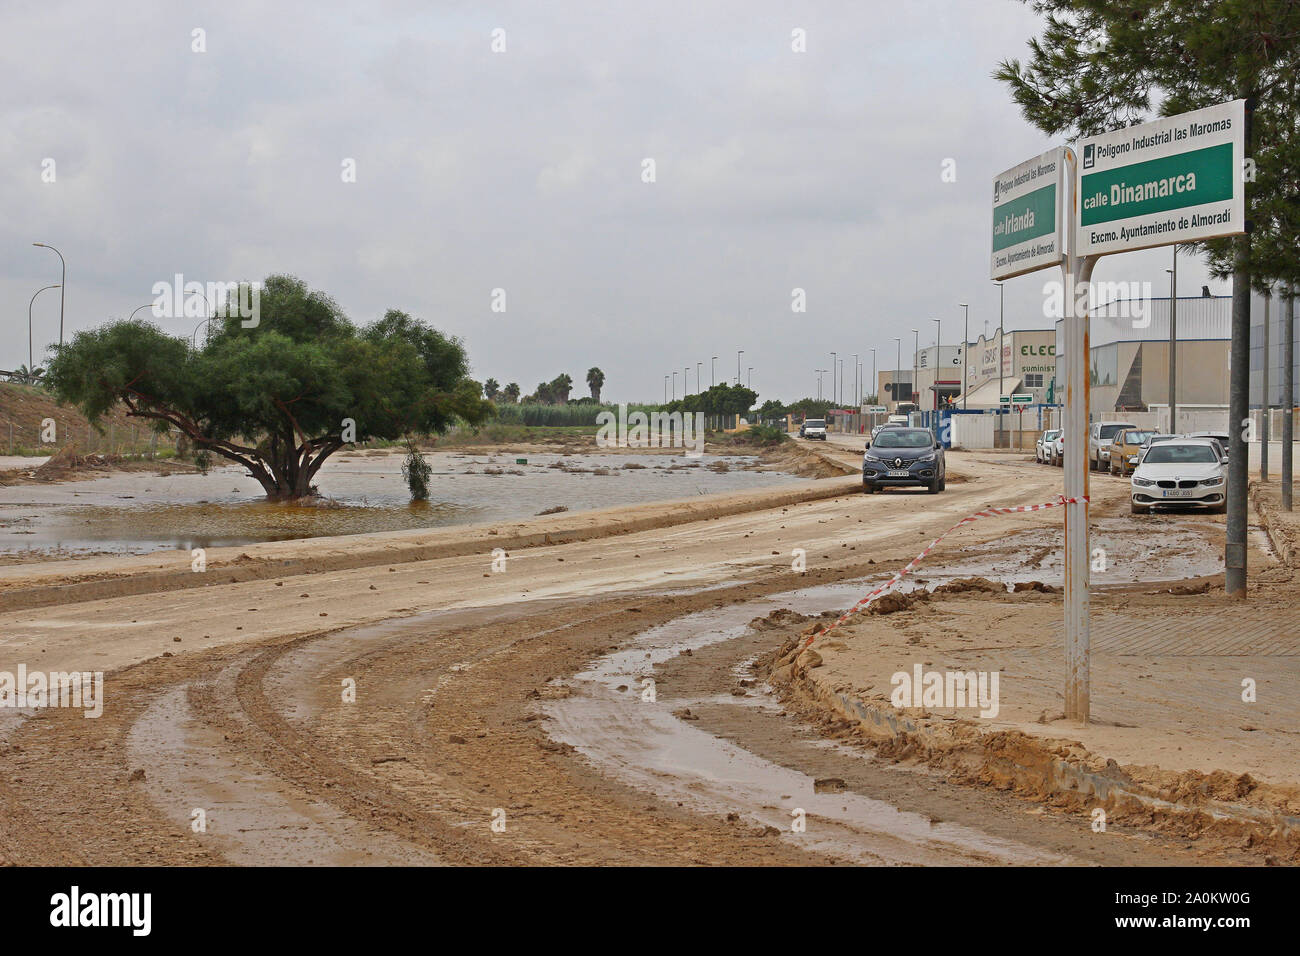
{"x":903,"y":457}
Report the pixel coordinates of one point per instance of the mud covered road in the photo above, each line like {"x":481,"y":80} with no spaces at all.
{"x":592,"y":704}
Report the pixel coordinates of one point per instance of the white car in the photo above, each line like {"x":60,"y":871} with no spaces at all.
{"x":1043,"y":447}
{"x":1057,"y":452}
{"x":814,"y":428}
{"x":1182,"y":473}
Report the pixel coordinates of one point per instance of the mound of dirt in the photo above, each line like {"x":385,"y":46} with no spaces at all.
{"x":801,"y":461}
{"x":975,"y":585}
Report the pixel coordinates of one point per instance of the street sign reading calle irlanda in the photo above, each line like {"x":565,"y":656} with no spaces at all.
{"x":1027,"y":215}
{"x":1177,"y":179}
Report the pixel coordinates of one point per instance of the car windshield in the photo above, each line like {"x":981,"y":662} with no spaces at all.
{"x":815,"y":423}
{"x":1108,"y":431}
{"x":904,"y":438}
{"x":1167,"y":453}
{"x":1048,"y":436}
{"x":1136,"y":438}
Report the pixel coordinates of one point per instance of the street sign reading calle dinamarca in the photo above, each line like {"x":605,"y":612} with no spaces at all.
{"x":1177,"y":179}
{"x":1027,"y":215}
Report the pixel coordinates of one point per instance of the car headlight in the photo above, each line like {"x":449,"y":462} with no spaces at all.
{"x":1142,"y":482}
{"x":1132,"y":459}
{"x":1211,"y":482}
{"x":929,"y":457}
{"x":872,"y":458}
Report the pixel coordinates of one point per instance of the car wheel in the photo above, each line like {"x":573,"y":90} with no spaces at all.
{"x":933,"y":487}
{"x":943,"y":482}
{"x":868,"y":488}
{"x":1137,"y":509}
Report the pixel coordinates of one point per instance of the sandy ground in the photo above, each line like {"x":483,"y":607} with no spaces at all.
{"x":487,"y":695}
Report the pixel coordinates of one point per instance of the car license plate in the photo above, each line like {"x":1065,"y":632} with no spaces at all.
{"x":1178,"y":492}
{"x":900,"y":474}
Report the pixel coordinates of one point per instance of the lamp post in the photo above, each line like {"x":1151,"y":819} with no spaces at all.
{"x":31,"y":362}
{"x":713,"y":371}
{"x":875,"y":385}
{"x":665,"y":389}
{"x":965,"y":376}
{"x":898,"y":362}
{"x":833,"y":399}
{"x":739,"y":353}
{"x":132,"y":315}
{"x":698,"y":368}
{"x":913,"y":393}
{"x":749,"y":378}
{"x":819,"y":382}
{"x":938,"y":357}
{"x":63,"y":279}
{"x":674,"y":385}
{"x":857,"y":382}
{"x":685,"y":378}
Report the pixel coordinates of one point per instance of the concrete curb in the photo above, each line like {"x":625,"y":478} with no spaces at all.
{"x":1050,"y":775}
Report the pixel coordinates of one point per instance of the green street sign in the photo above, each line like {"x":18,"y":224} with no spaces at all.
{"x":1027,"y":215}
{"x":1178,"y":179}
{"x":1022,"y":399}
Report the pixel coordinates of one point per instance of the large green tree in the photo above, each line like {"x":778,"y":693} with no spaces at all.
{"x":281,"y":396}
{"x":595,"y":382}
{"x":1104,"y":64}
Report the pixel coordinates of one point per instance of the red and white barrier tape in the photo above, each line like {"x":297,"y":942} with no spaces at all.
{"x":911,"y":565}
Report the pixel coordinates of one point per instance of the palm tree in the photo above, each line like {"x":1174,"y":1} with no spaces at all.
{"x":511,"y":393}
{"x":491,"y":388}
{"x":560,"y":388}
{"x":595,"y":381}
{"x":27,"y":376}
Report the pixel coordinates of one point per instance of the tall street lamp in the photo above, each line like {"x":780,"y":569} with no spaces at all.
{"x":875,"y":385}
{"x":749,"y":378}
{"x":713,"y":371}
{"x":938,"y":357}
{"x":132,"y":315}
{"x":965,"y":372}
{"x":665,"y":389}
{"x":915,"y":392}
{"x":31,"y":362}
{"x":819,"y":382}
{"x":63,"y":279}
{"x":857,"y":382}
{"x":698,"y":367}
{"x":674,"y":385}
{"x":834,"y":400}
{"x":898,"y":364}
{"x":739,"y":353}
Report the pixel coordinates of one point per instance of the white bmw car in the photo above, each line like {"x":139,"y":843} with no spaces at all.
{"x":1180,"y":473}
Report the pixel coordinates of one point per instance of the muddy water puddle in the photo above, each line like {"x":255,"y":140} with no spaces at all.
{"x":137,"y":512}
{"x":643,"y":744}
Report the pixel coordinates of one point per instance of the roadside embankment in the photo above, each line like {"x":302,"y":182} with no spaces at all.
{"x":1194,"y":715}
{"x":60,"y":582}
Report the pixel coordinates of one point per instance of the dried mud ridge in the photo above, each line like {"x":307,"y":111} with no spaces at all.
{"x":1218,"y":809}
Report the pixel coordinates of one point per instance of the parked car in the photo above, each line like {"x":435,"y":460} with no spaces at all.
{"x":1185,"y":473}
{"x":1100,"y":435}
{"x":1126,"y":450}
{"x":1058,"y":450}
{"x":879,"y":428}
{"x":1043,"y":447}
{"x":813,"y":428}
{"x":1156,"y":438}
{"x":903,"y":457}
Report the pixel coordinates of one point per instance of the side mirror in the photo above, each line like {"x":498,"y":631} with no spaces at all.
{"x":1223,"y":460}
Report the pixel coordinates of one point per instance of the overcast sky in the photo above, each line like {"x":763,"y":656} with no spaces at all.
{"x":522,"y":171}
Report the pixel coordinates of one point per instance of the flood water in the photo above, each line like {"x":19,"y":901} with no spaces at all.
{"x":138,"y":512}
